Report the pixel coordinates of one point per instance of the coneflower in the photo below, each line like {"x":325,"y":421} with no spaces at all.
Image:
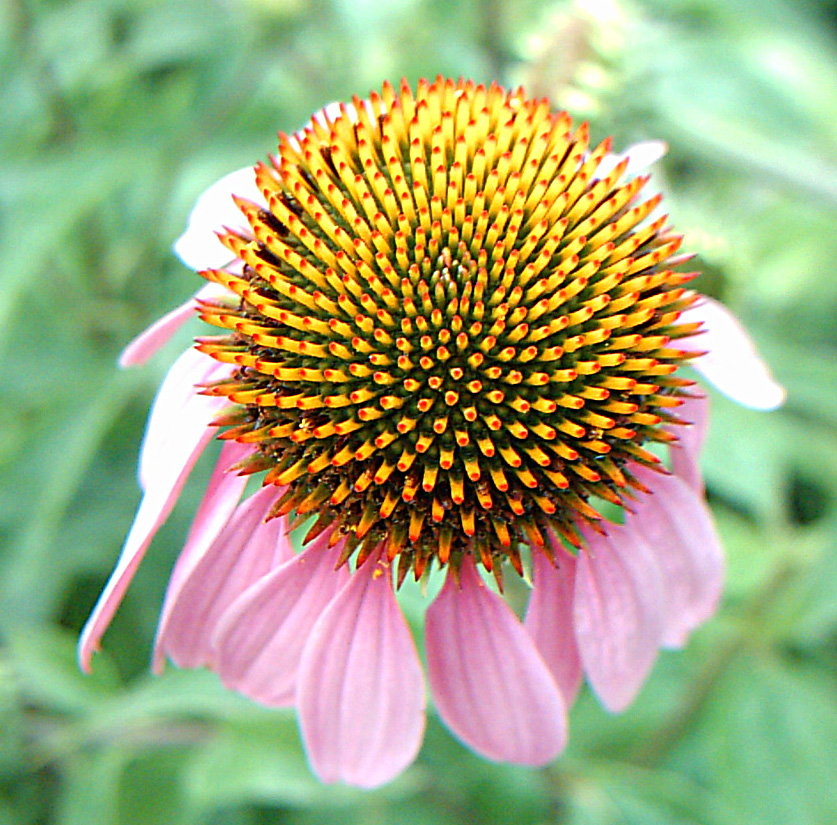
{"x":452,"y":331}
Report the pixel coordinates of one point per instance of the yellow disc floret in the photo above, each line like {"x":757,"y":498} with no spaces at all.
{"x":451,"y":334}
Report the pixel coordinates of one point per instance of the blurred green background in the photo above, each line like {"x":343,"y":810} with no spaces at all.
{"x":117,"y":113}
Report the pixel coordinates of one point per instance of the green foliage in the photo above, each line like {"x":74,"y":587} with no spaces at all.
{"x":118,"y":114}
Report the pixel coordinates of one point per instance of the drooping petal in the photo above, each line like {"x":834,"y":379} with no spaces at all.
{"x":618,"y":614}
{"x":489,"y":683}
{"x":731,"y":362}
{"x":159,"y":333}
{"x":325,"y":117}
{"x":328,"y":114}
{"x":220,"y":499}
{"x":360,"y":691}
{"x":178,"y":437}
{"x":222,"y":495}
{"x":677,"y":526}
{"x":549,"y":618}
{"x":685,"y":454}
{"x":643,"y":154}
{"x":640,"y":156}
{"x":178,"y":410}
{"x":240,"y":555}
{"x":198,"y":247}
{"x":259,"y":640}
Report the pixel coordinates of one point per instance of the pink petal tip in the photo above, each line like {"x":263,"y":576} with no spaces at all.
{"x":360,"y":692}
{"x":488,"y":681}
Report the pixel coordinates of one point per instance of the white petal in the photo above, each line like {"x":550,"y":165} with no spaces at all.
{"x":176,"y":408}
{"x":198,"y":247}
{"x":640,"y":156}
{"x":731,"y":362}
{"x":181,"y":423}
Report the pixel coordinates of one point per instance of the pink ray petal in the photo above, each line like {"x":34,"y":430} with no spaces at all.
{"x":488,"y":681}
{"x":260,"y":638}
{"x":677,"y":526}
{"x":731,"y":362}
{"x":360,"y":691}
{"x":158,"y":334}
{"x":187,"y":434}
{"x":685,"y":455}
{"x":618,"y":613}
{"x":240,"y":555}
{"x":222,"y":495}
{"x":549,"y":618}
{"x":198,"y":247}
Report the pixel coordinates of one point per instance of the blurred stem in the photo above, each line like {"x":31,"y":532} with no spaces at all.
{"x":739,"y":149}
{"x":55,"y":740}
{"x":755,"y":614}
{"x":62,"y":125}
{"x":491,"y":37}
{"x":22,"y":594}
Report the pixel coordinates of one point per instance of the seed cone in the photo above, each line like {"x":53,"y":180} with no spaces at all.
{"x":451,"y":335}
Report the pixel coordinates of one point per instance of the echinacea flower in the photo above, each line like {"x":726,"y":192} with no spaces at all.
{"x":452,"y":332}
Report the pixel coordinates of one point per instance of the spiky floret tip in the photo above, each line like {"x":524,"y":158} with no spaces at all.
{"x":452,"y":332}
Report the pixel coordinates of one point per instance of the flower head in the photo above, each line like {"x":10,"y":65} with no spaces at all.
{"x":451,"y":332}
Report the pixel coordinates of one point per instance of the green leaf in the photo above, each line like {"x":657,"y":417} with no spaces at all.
{"x":752,"y":552}
{"x":45,"y":665}
{"x":611,"y":792}
{"x":771,"y":742}
{"x":745,"y":458}
{"x":151,"y":791}
{"x":30,"y":581}
{"x":806,"y":613}
{"x":258,"y":763}
{"x":90,"y":787}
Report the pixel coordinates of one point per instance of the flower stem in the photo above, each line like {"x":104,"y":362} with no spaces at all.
{"x":658,"y":746}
